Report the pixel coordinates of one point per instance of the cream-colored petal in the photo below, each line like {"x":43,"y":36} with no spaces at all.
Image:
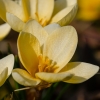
{"x":18,"y":2}
{"x":53,"y":77}
{"x":4,"y":30}
{"x":6,"y":66}
{"x":65,"y":16}
{"x":24,"y":78}
{"x":37,"y":30}
{"x":61,"y":4}
{"x":60,"y":46}
{"x":15,"y":22}
{"x":28,"y":50}
{"x":29,"y":7}
{"x":12,"y":7}
{"x":3,"y":76}
{"x":7,"y":62}
{"x":51,"y":27}
{"x":45,"y":10}
{"x":82,"y":71}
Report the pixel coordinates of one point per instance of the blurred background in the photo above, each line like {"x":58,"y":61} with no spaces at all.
{"x":87,"y":24}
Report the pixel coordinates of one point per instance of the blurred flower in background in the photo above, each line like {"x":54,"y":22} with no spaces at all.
{"x":89,"y":10}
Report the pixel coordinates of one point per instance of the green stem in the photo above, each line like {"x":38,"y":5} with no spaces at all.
{"x":11,"y":90}
{"x":49,"y":91}
{"x":62,"y":91}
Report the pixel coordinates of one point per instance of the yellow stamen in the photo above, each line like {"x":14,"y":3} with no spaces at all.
{"x":46,"y":65}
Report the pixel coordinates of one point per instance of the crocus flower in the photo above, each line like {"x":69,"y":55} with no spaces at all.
{"x":45,"y":54}
{"x":6,"y":66}
{"x":4,"y":29}
{"x":44,"y":11}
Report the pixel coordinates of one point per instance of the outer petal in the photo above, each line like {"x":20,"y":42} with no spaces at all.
{"x":28,"y":50}
{"x":12,"y":7}
{"x":60,"y":46}
{"x":51,"y":27}
{"x":61,"y":4}
{"x":29,"y":7}
{"x":4,"y":30}
{"x":65,"y":16}
{"x":82,"y":71}
{"x":15,"y":22}
{"x":7,"y":62}
{"x":3,"y":76}
{"x":24,"y":78}
{"x":64,"y":11}
{"x":37,"y":30}
{"x":45,"y":10}
{"x":53,"y":77}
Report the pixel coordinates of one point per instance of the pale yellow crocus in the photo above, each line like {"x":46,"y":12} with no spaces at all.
{"x":4,"y":29}
{"x":44,"y":11}
{"x":45,"y":54}
{"x":6,"y":66}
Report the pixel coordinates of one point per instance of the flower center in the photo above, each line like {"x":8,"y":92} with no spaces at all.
{"x":46,"y":65}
